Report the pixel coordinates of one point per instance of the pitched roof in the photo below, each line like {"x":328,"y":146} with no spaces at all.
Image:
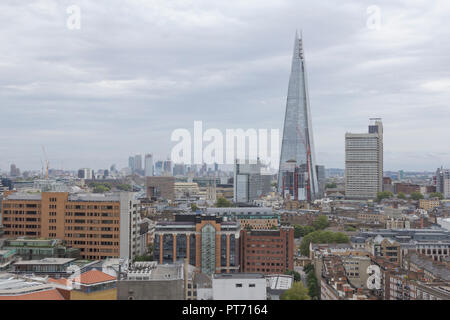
{"x":94,"y":276}
{"x":51,"y":294}
{"x":61,"y":281}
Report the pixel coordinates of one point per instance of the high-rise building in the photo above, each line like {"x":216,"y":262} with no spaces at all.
{"x":148,"y":165}
{"x":85,"y":173}
{"x":443,"y":182}
{"x":131,"y":163}
{"x":321,"y":179}
{"x":364,"y":162}
{"x":101,"y":226}
{"x":297,"y":174}
{"x":249,"y":183}
{"x":138,"y":163}
{"x":158,"y":168}
{"x":167,"y":167}
{"x":179,"y":169}
{"x":14,"y":172}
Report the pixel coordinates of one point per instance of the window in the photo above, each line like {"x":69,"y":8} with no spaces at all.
{"x":238,"y":285}
{"x":252,"y":285}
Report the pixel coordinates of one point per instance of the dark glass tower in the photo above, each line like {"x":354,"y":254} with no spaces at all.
{"x":297,"y":174}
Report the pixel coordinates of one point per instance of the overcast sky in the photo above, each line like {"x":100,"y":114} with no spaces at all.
{"x":138,"y":69}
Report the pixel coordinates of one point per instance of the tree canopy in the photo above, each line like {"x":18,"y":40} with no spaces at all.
{"x":321,"y":222}
{"x":401,"y":195}
{"x":295,"y":274}
{"x":223,"y":203}
{"x":416,"y":195}
{"x":296,"y":292}
{"x":437,"y":195}
{"x":322,"y":237}
{"x":384,"y":195}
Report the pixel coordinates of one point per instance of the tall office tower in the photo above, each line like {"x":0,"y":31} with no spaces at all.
{"x":364,"y":162}
{"x":320,"y":171}
{"x":179,"y":169}
{"x":86,"y":173}
{"x":131,"y":164}
{"x":443,"y":182}
{"x":158,"y":168}
{"x":148,"y":165}
{"x":297,"y":174}
{"x":249,"y":183}
{"x":167,"y":167}
{"x":138,"y":163}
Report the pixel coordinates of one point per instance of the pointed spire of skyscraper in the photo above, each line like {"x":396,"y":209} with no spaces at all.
{"x":297,"y":174}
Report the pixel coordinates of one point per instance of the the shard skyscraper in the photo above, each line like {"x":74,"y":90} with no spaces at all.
{"x":297,"y":175}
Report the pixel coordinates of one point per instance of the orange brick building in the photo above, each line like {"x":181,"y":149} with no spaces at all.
{"x":101,"y":226}
{"x":267,"y":251}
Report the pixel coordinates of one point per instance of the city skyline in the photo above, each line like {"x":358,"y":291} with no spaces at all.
{"x":162,"y":67}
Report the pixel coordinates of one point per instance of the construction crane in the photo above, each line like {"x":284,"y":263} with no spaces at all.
{"x":46,"y":162}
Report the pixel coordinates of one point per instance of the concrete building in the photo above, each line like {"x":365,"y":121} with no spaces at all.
{"x":267,"y":251}
{"x":100,"y":226}
{"x":161,"y":187}
{"x":249,"y":182}
{"x":208,"y":242}
{"x":429,"y":204}
{"x":150,"y":281}
{"x":85,"y":173}
{"x":443,"y":182}
{"x":384,"y":247}
{"x":364,"y":163}
{"x":148,"y":165}
{"x":239,"y":286}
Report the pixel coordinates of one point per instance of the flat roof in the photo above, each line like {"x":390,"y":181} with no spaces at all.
{"x":239,"y":276}
{"x":49,"y":261}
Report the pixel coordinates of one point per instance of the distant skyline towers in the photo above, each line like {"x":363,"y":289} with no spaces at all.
{"x":364,"y":162}
{"x":297,"y":175}
{"x":148,"y":163}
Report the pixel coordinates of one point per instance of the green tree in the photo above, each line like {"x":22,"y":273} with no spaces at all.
{"x":321,"y":222}
{"x":437,"y":195}
{"x":223,"y":203}
{"x":101,"y":189}
{"x":416,"y":195}
{"x":301,"y":231}
{"x":194,"y":207}
{"x":124,"y":187}
{"x":143,"y":258}
{"x":401,"y":195}
{"x":295,"y":274}
{"x":384,"y":195}
{"x":350,"y":228}
{"x":296,"y":292}
{"x":321,"y":236}
{"x":331,"y":185}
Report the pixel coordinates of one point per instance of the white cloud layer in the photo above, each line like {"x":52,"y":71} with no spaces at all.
{"x":137,"y":70}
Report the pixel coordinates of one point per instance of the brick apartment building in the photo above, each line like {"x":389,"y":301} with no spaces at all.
{"x":267,"y":251}
{"x":101,"y":226}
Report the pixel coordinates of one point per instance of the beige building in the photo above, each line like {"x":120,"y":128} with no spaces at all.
{"x":101,"y":226}
{"x":429,"y":204}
